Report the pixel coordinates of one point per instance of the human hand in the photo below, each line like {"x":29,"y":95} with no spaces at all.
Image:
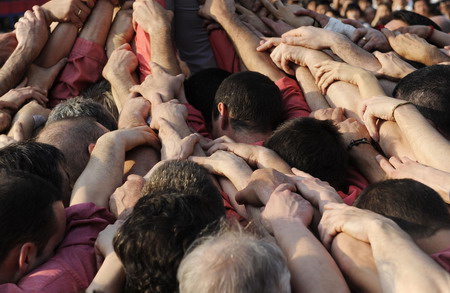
{"x":171,"y":111}
{"x":221,"y":163}
{"x":322,"y":19}
{"x":286,"y":205}
{"x":378,"y":108}
{"x":330,"y":71}
{"x":18,"y":136}
{"x":122,"y":61}
{"x":355,"y":222}
{"x":370,"y":40}
{"x":21,"y":94}
{"x":283,"y":54}
{"x":133,"y":137}
{"x":351,"y":129}
{"x":392,"y":65}
{"x":414,"y":48}
{"x":151,"y":16}
{"x":32,"y":31}
{"x":135,"y":113}
{"x":335,"y":114}
{"x":286,"y":13}
{"x":268,"y":43}
{"x":316,"y":191}
{"x":160,"y":81}
{"x":260,"y":186}
{"x":104,"y":243}
{"x":420,"y":30}
{"x":126,"y":196}
{"x":74,"y":11}
{"x":252,"y":19}
{"x":121,"y":31}
{"x":279,"y":27}
{"x":174,"y":147}
{"x":310,"y":37}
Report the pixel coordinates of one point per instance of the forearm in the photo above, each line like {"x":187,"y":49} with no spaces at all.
{"x":312,"y":93}
{"x":369,"y":86}
{"x":15,"y":67}
{"x":394,"y":251}
{"x":354,"y":55}
{"x":439,"y":39}
{"x":58,"y":46}
{"x":97,"y":26}
{"x":110,"y":278}
{"x":246,"y":43}
{"x":306,"y":256}
{"x":121,"y":82}
{"x":432,"y":148}
{"x":105,"y":166}
{"x":393,"y":142}
{"x":363,"y":156}
{"x":163,"y":52}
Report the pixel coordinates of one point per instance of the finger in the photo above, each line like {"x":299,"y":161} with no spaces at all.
{"x":40,"y":98}
{"x":395,"y":162}
{"x":278,"y":4}
{"x":370,"y":45}
{"x":300,"y":173}
{"x":8,"y":105}
{"x":243,"y":10}
{"x":390,"y":35}
{"x":357,"y":35}
{"x":337,"y":114}
{"x":18,"y":134}
{"x":306,"y":12}
{"x":293,"y":41}
{"x":371,"y":124}
{"x":285,"y":66}
{"x":353,"y":23}
{"x":91,"y":3}
{"x":269,"y":7}
{"x":385,"y":165}
{"x":39,"y":13}
{"x":248,"y":196}
{"x":269,"y":22}
{"x":217,"y":147}
{"x":189,"y":143}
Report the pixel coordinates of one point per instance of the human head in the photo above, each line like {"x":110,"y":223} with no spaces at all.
{"x":313,"y":146}
{"x":184,"y":176}
{"x":155,"y":237}
{"x":415,"y":207}
{"x":248,"y":102}
{"x":73,"y":137}
{"x":201,"y":88}
{"x":323,"y":6}
{"x":422,"y":7}
{"x":353,"y":11}
{"x":428,"y":89}
{"x":233,"y":261}
{"x":40,"y":159}
{"x":403,"y":18}
{"x":32,"y":223}
{"x":385,"y":12}
{"x":81,"y":107}
{"x":101,"y":93}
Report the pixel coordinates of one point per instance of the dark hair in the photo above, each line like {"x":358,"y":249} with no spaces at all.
{"x":313,"y":146}
{"x":415,"y":207}
{"x":253,"y":100}
{"x":428,"y":88}
{"x":184,"y":176}
{"x":352,"y":6}
{"x":26,"y":210}
{"x":201,"y":89}
{"x":412,"y":18}
{"x":153,"y":240}
{"x":81,"y":107}
{"x":72,"y":137}
{"x":37,"y":158}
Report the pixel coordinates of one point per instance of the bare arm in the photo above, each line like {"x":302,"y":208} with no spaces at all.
{"x":313,"y":96}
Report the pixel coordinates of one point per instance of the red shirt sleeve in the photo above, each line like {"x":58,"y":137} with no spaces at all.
{"x":294,"y":103}
{"x":357,"y":182}
{"x":84,"y":67}
{"x":196,"y":121}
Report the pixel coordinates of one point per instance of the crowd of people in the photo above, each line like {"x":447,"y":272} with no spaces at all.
{"x":226,"y":146}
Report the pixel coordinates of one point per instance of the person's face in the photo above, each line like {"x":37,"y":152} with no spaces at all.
{"x":383,"y":11}
{"x":353,"y":14}
{"x":421,"y":8}
{"x":322,"y":9}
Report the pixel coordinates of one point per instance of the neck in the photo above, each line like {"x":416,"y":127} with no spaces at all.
{"x":435,"y":243}
{"x":250,"y":137}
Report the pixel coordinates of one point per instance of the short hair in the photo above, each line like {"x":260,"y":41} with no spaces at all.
{"x":428,"y":89}
{"x":101,"y":93}
{"x":72,"y":137}
{"x":415,"y":207}
{"x":36,"y":158}
{"x":313,"y":146}
{"x":81,"y":107}
{"x":26,"y":210}
{"x":412,"y":18}
{"x":253,"y":100}
{"x":184,"y":176}
{"x":201,"y":88}
{"x":233,"y":261}
{"x":153,"y":240}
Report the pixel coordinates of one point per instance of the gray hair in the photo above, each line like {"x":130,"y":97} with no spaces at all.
{"x":232,"y":262}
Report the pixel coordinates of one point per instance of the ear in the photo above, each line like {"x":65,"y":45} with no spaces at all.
{"x":27,"y":257}
{"x":91,"y":147}
{"x":223,"y":115}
